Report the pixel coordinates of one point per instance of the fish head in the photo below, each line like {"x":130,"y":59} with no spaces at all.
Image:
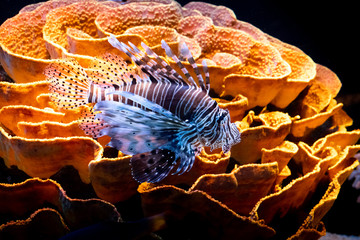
{"x":227,"y":132}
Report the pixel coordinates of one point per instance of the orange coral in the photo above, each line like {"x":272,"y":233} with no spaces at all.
{"x":223,"y":195}
{"x":271,"y":133}
{"x":49,"y":129}
{"x":303,"y":70}
{"x":304,"y":126}
{"x":46,"y":221}
{"x":241,"y":189}
{"x":117,"y":20}
{"x":326,"y":202}
{"x":236,"y":106}
{"x":14,"y":114}
{"x":45,"y":157}
{"x":314,"y":161}
{"x":22,"y":94}
{"x":27,"y":51}
{"x":80,"y":15}
{"x":200,"y":205}
{"x":281,"y":154}
{"x":112,"y":181}
{"x":17,"y":200}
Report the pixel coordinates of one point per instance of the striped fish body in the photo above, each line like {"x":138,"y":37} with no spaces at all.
{"x":182,"y":100}
{"x":155,"y":115}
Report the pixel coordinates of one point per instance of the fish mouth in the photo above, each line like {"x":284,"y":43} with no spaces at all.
{"x":229,"y":137}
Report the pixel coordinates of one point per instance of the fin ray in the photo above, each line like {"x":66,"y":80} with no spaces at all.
{"x":90,"y":125}
{"x":153,"y":129}
{"x":156,"y":67}
{"x":68,"y":83}
{"x":152,"y":166}
{"x":168,"y":51}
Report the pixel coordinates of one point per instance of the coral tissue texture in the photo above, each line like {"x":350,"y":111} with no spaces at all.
{"x":277,"y":183}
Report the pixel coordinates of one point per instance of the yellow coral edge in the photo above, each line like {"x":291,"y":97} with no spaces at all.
{"x":317,"y":169}
{"x":329,"y":197}
{"x":301,"y":127}
{"x":147,"y":188}
{"x":213,"y":158}
{"x":62,"y":202}
{"x":10,"y":158}
{"x":13,"y":228}
{"x":232,"y":174}
{"x":49,"y":129}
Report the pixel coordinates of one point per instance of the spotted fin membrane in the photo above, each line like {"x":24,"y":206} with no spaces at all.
{"x":152,"y":166}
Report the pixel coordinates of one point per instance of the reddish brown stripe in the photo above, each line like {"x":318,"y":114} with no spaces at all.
{"x":91,"y":91}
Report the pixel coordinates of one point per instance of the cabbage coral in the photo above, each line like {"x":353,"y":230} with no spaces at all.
{"x":294,"y":154}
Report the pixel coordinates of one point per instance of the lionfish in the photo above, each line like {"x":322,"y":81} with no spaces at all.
{"x":152,"y":113}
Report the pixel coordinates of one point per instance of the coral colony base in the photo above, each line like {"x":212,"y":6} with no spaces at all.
{"x":138,"y":75}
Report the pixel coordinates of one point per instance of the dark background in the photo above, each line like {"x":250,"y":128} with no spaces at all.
{"x":325,"y":30}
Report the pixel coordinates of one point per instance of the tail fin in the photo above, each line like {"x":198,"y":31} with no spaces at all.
{"x":69,"y":83}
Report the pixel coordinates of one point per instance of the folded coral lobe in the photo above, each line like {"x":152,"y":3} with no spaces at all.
{"x":18,"y":200}
{"x":23,"y":52}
